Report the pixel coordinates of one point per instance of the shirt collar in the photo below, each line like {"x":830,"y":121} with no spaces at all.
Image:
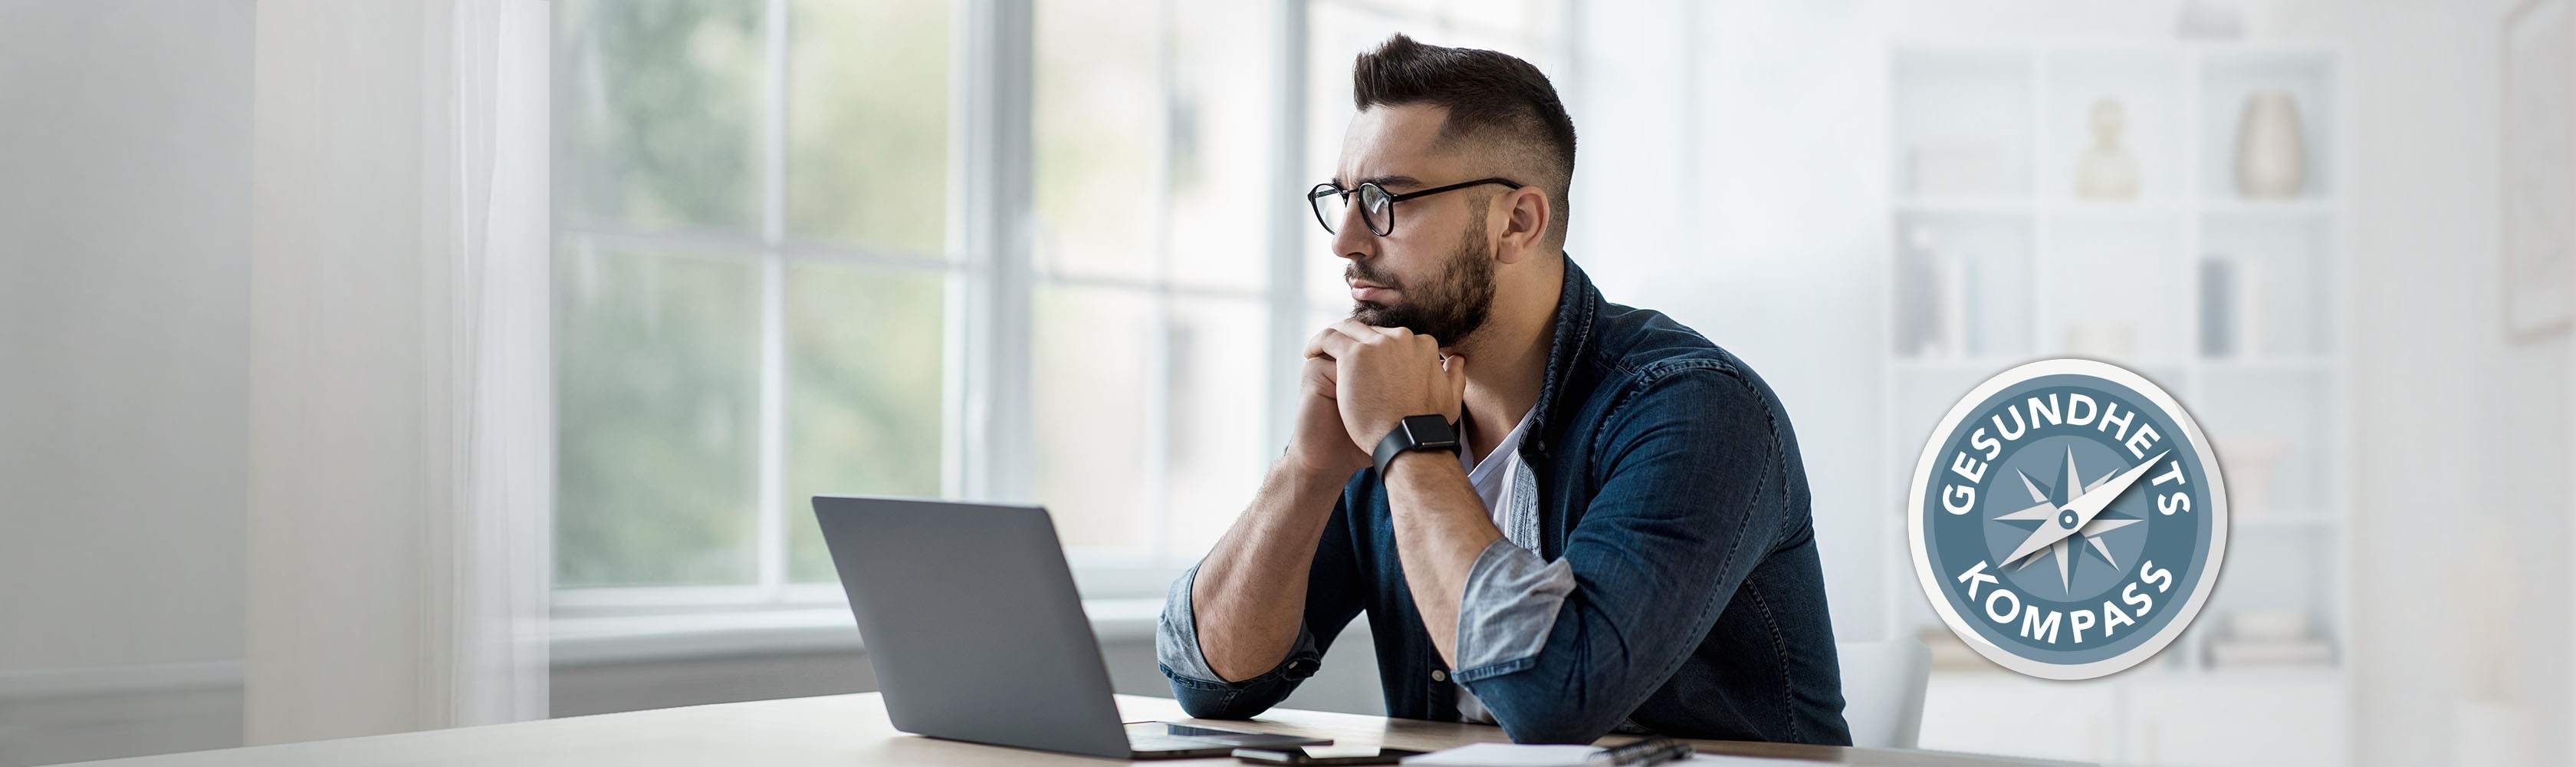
{"x":1577,"y":303}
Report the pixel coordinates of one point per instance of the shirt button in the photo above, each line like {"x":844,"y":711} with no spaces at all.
{"x":1438,"y":675}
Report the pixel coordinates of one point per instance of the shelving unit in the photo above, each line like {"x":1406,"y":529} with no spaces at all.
{"x":2234,"y":304}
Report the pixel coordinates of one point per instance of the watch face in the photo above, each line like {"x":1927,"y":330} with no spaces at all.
{"x":1430,"y":430}
{"x":2067,"y":519}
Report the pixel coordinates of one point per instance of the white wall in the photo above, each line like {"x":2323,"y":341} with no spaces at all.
{"x":124,"y":255}
{"x":2462,"y":433}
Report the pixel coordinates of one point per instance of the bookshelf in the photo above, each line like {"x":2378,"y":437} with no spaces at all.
{"x":2162,"y":233}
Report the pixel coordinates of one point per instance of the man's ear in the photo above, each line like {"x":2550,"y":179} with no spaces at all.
{"x":1524,"y":223}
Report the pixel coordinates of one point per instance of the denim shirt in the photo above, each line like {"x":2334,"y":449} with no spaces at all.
{"x":1660,"y":576}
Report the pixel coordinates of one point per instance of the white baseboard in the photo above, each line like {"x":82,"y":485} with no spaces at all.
{"x":65,"y":715}
{"x":620,"y":639}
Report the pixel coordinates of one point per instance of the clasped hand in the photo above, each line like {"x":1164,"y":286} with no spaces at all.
{"x":1364,"y":380}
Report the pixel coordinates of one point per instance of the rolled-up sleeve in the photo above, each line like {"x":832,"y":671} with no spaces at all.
{"x":1509,"y":607}
{"x":1200,"y":691}
{"x":1332,"y":599}
{"x":1176,"y":635}
{"x":1690,"y":492}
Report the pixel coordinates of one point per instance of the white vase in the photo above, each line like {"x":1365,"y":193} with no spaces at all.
{"x":2271,"y":147}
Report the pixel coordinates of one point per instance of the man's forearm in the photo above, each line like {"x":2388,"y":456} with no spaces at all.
{"x":1250,"y":594}
{"x":1440,"y":529}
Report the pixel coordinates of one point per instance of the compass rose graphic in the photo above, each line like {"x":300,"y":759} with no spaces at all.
{"x":2079,"y":467}
{"x":2073,"y":513}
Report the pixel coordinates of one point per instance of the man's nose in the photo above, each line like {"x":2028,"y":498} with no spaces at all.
{"x":1351,"y":236}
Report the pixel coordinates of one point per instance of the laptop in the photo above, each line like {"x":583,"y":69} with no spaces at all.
{"x":971,"y":619}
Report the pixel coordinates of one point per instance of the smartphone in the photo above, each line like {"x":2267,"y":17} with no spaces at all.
{"x":1321,"y":755}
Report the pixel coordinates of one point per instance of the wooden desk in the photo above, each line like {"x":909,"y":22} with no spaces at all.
{"x":851,"y":730}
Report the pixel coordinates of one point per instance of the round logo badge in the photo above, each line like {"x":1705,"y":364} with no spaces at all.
{"x":2067,"y":519}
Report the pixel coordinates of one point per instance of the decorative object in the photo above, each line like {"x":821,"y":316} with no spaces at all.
{"x":2539,"y":203}
{"x":2107,"y":172}
{"x":2271,"y":147}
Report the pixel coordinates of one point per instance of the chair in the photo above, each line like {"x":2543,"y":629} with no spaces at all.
{"x":1883,"y":690}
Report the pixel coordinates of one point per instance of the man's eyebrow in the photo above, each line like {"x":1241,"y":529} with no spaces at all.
{"x":1381,"y":181}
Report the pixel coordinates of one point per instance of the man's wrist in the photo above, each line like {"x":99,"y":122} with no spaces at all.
{"x":1294,"y":469}
{"x":1419,"y":433}
{"x":1415,"y":459}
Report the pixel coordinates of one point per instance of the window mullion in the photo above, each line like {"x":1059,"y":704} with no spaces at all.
{"x":1287,"y":223}
{"x":990,"y":221}
{"x":1158,"y":348}
{"x":772,"y":514}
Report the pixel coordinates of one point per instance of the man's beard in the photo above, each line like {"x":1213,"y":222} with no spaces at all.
{"x":1451,"y":306}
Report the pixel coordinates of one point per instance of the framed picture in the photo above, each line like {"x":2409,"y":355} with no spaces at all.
{"x":2539,"y":167}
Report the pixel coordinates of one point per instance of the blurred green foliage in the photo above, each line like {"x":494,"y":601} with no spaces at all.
{"x":659,"y":109}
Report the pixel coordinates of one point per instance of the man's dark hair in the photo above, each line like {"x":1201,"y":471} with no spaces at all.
{"x":1492,"y":98}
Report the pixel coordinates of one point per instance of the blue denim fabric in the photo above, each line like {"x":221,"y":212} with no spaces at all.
{"x":1675,"y":586}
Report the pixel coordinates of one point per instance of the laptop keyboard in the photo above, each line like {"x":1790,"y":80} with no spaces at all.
{"x":1188,"y":731}
{"x":1149,"y":743}
{"x":1145,"y":737}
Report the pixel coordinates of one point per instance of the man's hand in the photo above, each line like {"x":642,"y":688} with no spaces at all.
{"x":1320,"y":446}
{"x":1382,"y":375}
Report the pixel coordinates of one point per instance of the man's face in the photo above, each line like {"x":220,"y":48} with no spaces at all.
{"x":1434,"y":274}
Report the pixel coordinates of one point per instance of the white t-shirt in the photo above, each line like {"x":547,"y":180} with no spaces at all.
{"x":1492,"y":476}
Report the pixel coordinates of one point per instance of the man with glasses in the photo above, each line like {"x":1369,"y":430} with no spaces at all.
{"x":1562,"y":515}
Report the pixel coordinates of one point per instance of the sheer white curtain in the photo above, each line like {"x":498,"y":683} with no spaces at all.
{"x":400,"y":446}
{"x":500,"y":415}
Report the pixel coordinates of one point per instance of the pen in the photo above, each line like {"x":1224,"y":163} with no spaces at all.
{"x":1641,"y":753}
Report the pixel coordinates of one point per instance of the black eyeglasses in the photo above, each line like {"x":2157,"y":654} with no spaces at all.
{"x":1377,"y":207}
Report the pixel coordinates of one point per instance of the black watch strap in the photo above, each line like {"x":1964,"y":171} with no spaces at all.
{"x":1415,"y":432}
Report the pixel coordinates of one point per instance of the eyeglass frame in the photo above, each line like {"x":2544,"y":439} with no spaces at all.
{"x":1329,"y":187}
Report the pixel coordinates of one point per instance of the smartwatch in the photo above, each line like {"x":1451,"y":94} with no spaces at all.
{"x":1415,"y":432}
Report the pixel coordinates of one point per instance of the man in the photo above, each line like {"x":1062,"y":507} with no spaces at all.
{"x":1619,"y":538}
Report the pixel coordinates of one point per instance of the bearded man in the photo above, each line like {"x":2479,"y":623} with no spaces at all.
{"x":1562,"y":515}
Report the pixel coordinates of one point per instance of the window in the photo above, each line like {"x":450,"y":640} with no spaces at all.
{"x":1152,"y":124}
{"x":758,"y":286}
{"x":751,"y":281}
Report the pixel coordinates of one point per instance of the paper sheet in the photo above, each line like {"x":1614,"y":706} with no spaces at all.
{"x":1506,"y":755}
{"x":1509,"y":755}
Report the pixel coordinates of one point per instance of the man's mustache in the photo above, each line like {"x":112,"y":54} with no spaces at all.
{"x":1355,"y":272}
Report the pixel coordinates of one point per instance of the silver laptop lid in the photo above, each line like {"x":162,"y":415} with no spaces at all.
{"x":971,"y":619}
